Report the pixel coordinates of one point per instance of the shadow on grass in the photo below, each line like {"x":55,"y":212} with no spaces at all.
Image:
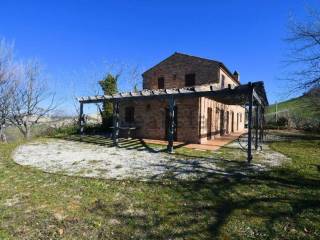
{"x":129,"y":144}
{"x":288,"y":136}
{"x":204,"y":208}
{"x":238,"y":202}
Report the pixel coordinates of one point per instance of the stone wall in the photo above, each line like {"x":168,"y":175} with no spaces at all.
{"x":228,"y":79}
{"x":238,"y":119}
{"x":192,"y":125}
{"x":150,"y":118}
{"x":192,"y":121}
{"x":174,"y":69}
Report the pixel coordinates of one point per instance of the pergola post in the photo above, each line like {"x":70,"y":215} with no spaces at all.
{"x":171,"y":125}
{"x":249,"y":151}
{"x":262,"y":122}
{"x":81,"y":123}
{"x":115,"y":133}
{"x":257,"y":126}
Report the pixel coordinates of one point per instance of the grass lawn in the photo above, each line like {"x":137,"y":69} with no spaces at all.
{"x":281,"y":204}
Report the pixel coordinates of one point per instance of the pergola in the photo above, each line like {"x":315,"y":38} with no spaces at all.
{"x":252,"y":95}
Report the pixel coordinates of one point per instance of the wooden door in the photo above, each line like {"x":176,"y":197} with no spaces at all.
{"x":227,"y":122}
{"x":221,"y":122}
{"x":232,"y":121}
{"x":209,"y":123}
{"x":237,"y":121}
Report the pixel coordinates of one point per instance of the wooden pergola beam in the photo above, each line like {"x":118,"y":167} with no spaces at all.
{"x":257,"y":127}
{"x":235,"y":96}
{"x":256,"y":97}
{"x":81,"y":119}
{"x":262,"y":122}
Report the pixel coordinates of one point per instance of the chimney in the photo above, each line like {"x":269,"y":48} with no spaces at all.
{"x":236,"y":76}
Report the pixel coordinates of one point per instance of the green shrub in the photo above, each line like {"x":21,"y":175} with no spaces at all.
{"x":62,"y":131}
{"x":282,"y":123}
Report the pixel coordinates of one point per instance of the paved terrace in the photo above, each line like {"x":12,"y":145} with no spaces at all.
{"x":211,"y":145}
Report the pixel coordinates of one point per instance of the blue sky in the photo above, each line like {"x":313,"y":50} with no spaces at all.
{"x":77,"y":41}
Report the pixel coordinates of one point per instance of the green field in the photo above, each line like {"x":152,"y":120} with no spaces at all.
{"x":283,"y":203}
{"x":303,"y":105}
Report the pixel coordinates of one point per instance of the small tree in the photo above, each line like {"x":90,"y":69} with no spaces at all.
{"x":6,"y":93}
{"x":109,"y":86}
{"x":7,"y":74}
{"x":135,"y":88}
{"x":31,"y":100}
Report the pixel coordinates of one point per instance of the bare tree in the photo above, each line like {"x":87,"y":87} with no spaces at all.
{"x":304,"y":39}
{"x":134,"y":78}
{"x":7,"y":73}
{"x":31,"y":100}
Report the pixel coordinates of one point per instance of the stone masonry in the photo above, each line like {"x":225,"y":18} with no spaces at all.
{"x":193,"y":123}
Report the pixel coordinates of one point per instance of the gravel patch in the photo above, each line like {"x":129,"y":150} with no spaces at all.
{"x":91,"y":160}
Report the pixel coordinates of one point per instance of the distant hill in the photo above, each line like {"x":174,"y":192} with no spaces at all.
{"x":301,"y":113}
{"x":304,"y":105}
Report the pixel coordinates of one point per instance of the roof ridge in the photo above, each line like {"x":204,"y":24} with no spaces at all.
{"x":221,"y":64}
{"x":203,"y":58}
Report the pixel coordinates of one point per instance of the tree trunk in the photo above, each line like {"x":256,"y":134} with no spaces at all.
{"x":28,"y":133}
{"x":27,"y":130}
{"x":3,"y":137}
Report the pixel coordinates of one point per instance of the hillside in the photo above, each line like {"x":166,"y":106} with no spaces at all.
{"x":305,"y":106}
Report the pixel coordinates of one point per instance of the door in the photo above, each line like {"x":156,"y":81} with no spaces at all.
{"x":232,"y":121}
{"x":221,"y":122}
{"x":209,"y":123}
{"x":175,"y":131}
{"x":227,"y":127}
{"x":237,"y":121}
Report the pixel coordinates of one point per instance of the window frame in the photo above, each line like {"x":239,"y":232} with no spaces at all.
{"x":161,"y":80}
{"x":223,"y":78}
{"x":129,"y":114}
{"x":187,"y":80}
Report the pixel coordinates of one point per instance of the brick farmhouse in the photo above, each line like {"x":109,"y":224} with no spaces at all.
{"x":197,"y":119}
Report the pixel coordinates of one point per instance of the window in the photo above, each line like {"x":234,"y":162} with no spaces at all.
{"x":190,"y":80}
{"x":129,"y":114}
{"x":240,"y":117}
{"x":161,"y":83}
{"x":222,"y":80}
{"x":174,"y":76}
